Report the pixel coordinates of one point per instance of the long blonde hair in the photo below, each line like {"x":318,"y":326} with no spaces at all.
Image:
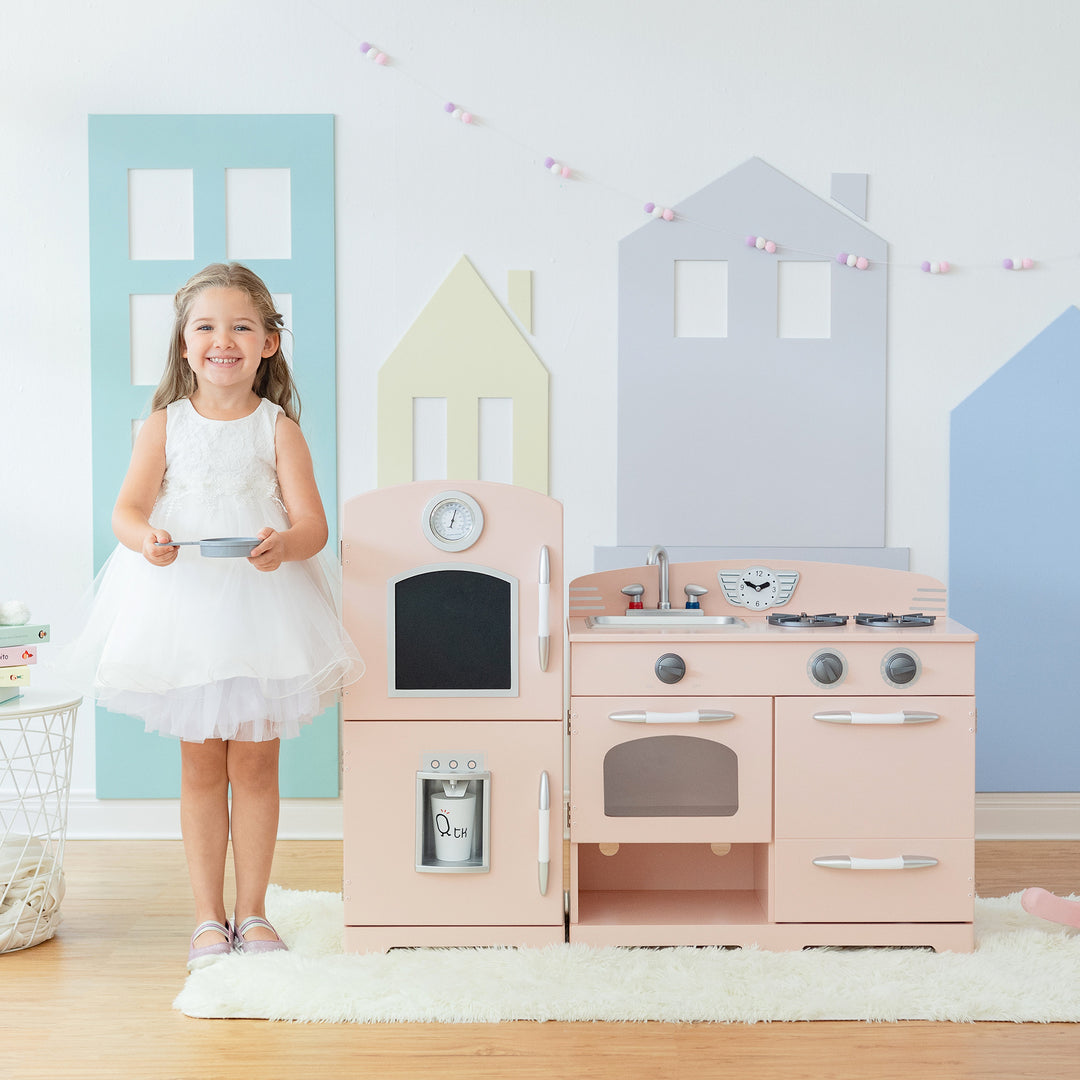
{"x":273,"y":380}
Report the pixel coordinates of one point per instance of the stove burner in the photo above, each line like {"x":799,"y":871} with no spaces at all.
{"x":890,"y":620}
{"x":804,"y":620}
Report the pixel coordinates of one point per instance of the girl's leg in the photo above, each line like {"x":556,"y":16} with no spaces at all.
{"x":204,"y":823}
{"x":253,"y":772}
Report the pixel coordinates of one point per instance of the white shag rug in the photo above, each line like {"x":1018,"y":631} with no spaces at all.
{"x":1023,"y":969}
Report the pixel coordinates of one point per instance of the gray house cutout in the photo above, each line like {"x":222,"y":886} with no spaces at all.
{"x":748,"y":430}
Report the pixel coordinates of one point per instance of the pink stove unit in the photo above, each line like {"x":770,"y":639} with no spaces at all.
{"x":745,"y":772}
{"x":453,"y":743}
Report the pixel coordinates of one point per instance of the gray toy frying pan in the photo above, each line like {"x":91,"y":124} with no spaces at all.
{"x":220,"y":547}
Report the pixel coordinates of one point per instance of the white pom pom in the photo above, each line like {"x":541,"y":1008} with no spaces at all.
{"x":14,"y":613}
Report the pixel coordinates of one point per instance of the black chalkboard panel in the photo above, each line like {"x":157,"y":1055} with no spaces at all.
{"x":452,"y":631}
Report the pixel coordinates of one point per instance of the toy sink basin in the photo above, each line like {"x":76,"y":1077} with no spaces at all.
{"x":221,"y":547}
{"x":676,"y":620}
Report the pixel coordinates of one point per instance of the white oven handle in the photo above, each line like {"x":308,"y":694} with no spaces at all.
{"x":853,"y":862}
{"x":647,"y":716}
{"x":543,"y":607}
{"x":905,"y":716}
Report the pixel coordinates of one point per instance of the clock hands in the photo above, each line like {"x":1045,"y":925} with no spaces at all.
{"x":757,"y":588}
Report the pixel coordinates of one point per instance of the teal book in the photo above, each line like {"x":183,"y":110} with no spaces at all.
{"x":24,"y":635}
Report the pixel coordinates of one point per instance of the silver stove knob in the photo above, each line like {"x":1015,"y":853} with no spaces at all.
{"x":827,"y":668}
{"x":670,"y":668}
{"x":900,"y":668}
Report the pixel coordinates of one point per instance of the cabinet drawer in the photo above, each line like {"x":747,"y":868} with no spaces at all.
{"x":654,"y":770}
{"x":629,"y":667}
{"x":875,"y":888}
{"x":876,"y":776}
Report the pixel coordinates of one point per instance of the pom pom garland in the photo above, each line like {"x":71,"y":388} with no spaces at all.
{"x":458,"y":113}
{"x":857,"y":262}
{"x":928,"y":267}
{"x":373,"y":54}
{"x":761,"y":244}
{"x":554,"y":167}
{"x":659,"y":211}
{"x":1017,"y":264}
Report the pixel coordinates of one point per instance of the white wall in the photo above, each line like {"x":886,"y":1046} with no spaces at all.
{"x":962,"y":113}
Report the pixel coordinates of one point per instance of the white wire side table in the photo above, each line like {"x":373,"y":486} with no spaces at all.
{"x":36,"y":739}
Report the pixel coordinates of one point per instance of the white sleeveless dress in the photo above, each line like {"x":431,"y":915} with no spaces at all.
{"x":211,"y":648}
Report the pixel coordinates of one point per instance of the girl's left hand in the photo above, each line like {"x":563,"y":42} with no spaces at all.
{"x":270,"y":554}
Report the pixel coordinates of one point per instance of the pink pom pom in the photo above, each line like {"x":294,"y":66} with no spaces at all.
{"x":1027,"y":264}
{"x":944,"y":267}
{"x":466,"y":117}
{"x":381,"y":58}
{"x":565,"y":172}
{"x":668,"y":215}
{"x":862,"y":262}
{"x":770,"y":247}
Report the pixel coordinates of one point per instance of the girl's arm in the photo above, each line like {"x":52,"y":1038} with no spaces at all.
{"x":139,"y":492}
{"x":307,"y":532}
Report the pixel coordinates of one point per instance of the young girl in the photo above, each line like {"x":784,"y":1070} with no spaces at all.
{"x":230,"y":655}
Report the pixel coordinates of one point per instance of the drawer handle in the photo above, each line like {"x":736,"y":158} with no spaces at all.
{"x":852,"y":862}
{"x":647,"y":716}
{"x":906,"y":716}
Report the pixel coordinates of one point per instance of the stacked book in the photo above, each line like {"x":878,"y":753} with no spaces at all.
{"x":18,"y":653}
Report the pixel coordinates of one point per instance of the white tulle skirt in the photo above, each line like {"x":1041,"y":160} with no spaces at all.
{"x":211,"y":648}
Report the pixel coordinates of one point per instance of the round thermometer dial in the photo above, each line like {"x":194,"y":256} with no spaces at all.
{"x":452,"y":521}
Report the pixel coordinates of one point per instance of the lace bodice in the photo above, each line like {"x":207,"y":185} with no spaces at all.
{"x":208,"y":462}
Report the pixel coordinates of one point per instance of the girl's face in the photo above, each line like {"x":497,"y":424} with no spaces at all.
{"x":224,"y":339}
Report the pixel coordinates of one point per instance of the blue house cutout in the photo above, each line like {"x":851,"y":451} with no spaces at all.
{"x":1014,"y":560}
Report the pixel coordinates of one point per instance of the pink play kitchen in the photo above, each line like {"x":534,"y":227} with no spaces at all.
{"x":772,"y":754}
{"x":453,"y":744}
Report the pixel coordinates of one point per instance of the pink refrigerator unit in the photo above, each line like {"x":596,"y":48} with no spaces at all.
{"x":453,"y":743}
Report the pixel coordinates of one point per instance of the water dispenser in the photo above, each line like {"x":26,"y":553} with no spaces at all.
{"x":453,"y":814}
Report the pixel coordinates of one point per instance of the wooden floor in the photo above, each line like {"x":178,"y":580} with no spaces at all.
{"x":96,"y":1002}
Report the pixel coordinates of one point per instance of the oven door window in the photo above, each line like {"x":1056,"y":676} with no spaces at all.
{"x":453,"y":632}
{"x":671,"y":776}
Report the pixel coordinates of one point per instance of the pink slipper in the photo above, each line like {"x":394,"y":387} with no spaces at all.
{"x":257,"y":946}
{"x":207,"y":954}
{"x":1048,"y":906}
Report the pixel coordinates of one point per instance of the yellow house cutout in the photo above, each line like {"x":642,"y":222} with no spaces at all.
{"x":465,"y":347}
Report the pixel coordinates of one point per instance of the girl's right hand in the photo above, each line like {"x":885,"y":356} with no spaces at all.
{"x":158,"y":556}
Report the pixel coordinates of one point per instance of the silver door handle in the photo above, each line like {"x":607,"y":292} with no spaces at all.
{"x":905,"y":716}
{"x":853,"y":862}
{"x":647,"y":716}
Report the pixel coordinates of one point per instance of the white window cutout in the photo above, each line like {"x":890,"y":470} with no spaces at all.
{"x":804,"y":299}
{"x":429,"y":438}
{"x":701,"y":298}
{"x":151,"y":320}
{"x":495,"y":451}
{"x":258,"y":214}
{"x":161,"y":214}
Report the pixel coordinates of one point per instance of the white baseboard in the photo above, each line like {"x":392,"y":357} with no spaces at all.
{"x":1002,"y":815}
{"x":1027,"y":815}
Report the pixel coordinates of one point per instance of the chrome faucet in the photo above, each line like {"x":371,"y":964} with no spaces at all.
{"x":658,"y":554}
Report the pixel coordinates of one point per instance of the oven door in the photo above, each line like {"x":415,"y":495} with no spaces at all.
{"x":681,"y":770}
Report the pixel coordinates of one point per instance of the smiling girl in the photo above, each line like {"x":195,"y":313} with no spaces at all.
{"x":227,"y":654}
